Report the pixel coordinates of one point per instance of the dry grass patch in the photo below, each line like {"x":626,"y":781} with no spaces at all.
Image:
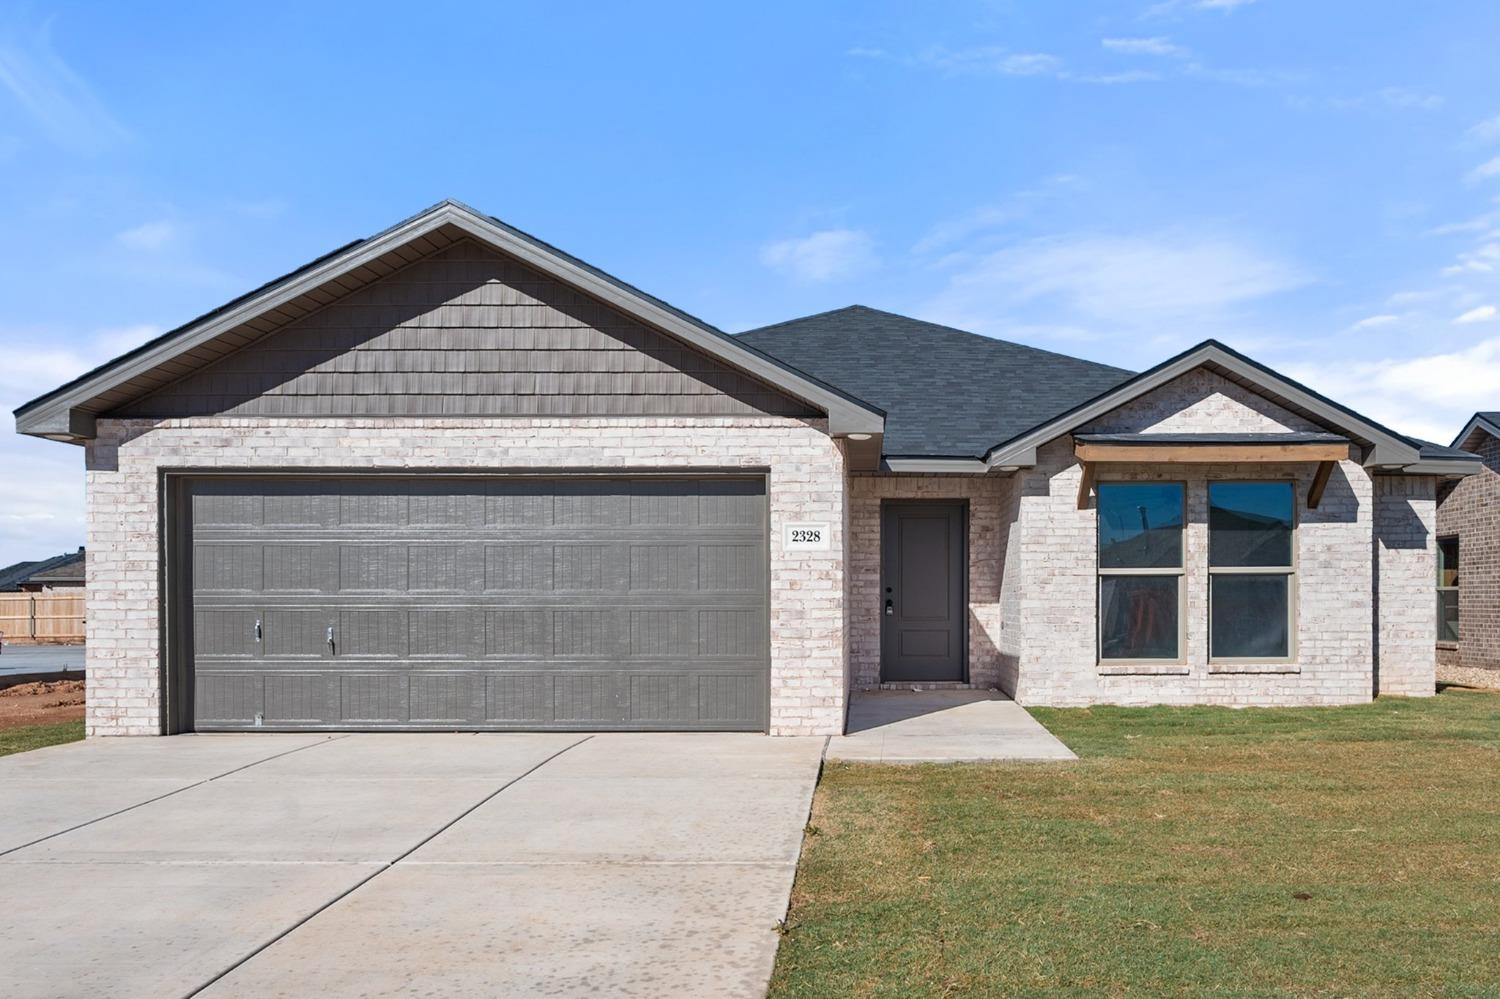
{"x":1333,"y":851}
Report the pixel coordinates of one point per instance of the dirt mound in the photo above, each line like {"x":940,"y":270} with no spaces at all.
{"x":43,"y":703}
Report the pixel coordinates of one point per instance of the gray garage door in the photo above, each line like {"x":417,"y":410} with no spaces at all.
{"x":507,"y":603}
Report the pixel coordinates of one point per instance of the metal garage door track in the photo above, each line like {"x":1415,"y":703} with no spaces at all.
{"x":441,"y":864}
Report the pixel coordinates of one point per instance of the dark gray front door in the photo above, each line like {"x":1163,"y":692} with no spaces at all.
{"x":383,"y":602}
{"x":922,"y":591}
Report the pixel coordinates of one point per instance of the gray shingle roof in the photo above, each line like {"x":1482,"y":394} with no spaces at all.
{"x":12,"y":576}
{"x":946,"y":393}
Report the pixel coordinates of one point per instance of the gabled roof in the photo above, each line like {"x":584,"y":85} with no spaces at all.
{"x":69,"y":412}
{"x":1486,"y":421}
{"x":1381,"y":445}
{"x":947,"y":393}
{"x":12,"y":576}
{"x":961,"y":402}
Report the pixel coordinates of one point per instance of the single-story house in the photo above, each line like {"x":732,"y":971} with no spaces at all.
{"x":1468,"y":563}
{"x":61,"y":572}
{"x":67,"y":573}
{"x":450,"y":477}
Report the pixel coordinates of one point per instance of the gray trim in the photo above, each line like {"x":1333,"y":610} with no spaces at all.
{"x":65,"y":411}
{"x":935,"y":466}
{"x":1479,"y":421}
{"x":1446,"y":467}
{"x":1386,"y":446}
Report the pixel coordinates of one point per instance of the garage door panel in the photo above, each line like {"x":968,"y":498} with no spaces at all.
{"x":519,"y":632}
{"x":300,"y":698}
{"x":373,"y":697}
{"x":446,"y":698}
{"x":225,"y":632}
{"x":479,"y":603}
{"x":228,"y":697}
{"x":300,"y":634}
{"x":299,"y":568}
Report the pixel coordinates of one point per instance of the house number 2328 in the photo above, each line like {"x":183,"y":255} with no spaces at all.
{"x":806,"y":537}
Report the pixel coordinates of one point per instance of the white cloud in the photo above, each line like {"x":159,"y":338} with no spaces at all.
{"x":1153,"y":281}
{"x":1371,"y":322}
{"x":41,"y":502}
{"x":1478,"y":314}
{"x":991,"y":59}
{"x":1157,"y":46}
{"x":150,"y":235}
{"x":1173,"y":6}
{"x":1389,"y":98}
{"x":1482,"y":259}
{"x":828,"y":255}
{"x":1428,"y":396}
{"x":1486,"y":131}
{"x":1484,"y":171}
{"x":47,"y":89}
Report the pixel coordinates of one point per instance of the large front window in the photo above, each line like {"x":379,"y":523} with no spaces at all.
{"x":1447,"y":590}
{"x":1251,"y":565}
{"x":1140,"y":570}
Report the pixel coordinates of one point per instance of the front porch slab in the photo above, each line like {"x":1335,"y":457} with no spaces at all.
{"x":942,"y":726}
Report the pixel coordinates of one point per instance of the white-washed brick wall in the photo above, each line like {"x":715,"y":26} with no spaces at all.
{"x":1406,"y":558}
{"x":987,"y":496}
{"x":1335,"y":633}
{"x":809,"y":622}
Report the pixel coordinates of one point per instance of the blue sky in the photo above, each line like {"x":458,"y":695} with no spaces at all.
{"x":1314,"y":183}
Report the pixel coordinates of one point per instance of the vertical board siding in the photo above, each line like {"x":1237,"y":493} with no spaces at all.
{"x":466,"y":332}
{"x":474,"y":602}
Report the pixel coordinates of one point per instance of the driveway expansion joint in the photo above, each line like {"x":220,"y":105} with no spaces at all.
{"x":168,"y":794}
{"x":381,"y":868}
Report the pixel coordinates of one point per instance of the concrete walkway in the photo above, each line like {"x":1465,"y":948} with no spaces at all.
{"x":376,"y":865}
{"x":942,"y":726}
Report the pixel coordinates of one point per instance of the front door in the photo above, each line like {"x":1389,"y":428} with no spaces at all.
{"x":922,"y":598}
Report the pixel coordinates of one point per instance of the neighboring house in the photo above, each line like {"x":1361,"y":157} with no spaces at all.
{"x":1468,"y":580}
{"x":451,"y":477}
{"x":56,"y":573}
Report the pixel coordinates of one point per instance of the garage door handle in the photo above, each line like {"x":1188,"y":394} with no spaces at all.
{"x":257,"y":631}
{"x":330,"y":638}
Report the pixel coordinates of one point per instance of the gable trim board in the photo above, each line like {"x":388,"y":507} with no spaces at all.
{"x":69,"y":412}
{"x":1479,"y":421}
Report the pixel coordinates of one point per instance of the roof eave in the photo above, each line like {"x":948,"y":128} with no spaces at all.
{"x":1478,"y":422}
{"x":62,"y":414}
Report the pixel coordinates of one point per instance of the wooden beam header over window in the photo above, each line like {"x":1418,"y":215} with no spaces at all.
{"x":1212,"y":449}
{"x":1206,"y":449}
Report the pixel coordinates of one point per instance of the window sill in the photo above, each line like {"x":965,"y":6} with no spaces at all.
{"x":1252,"y":668}
{"x":1448,"y":646}
{"x":1145,"y":669}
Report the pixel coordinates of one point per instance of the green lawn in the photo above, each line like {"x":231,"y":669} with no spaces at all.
{"x":19,"y":740}
{"x":1332,"y":851}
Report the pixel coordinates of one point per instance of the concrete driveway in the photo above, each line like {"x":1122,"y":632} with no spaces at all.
{"x":435,"y":865}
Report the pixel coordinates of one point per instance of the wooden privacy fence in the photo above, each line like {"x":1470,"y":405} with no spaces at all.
{"x":42,"y":617}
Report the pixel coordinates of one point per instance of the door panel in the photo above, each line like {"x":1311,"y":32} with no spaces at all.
{"x":922,"y":593}
{"x":470,"y":602}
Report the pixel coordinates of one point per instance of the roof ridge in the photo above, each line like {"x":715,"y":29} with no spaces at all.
{"x":811,"y":315}
{"x":943,"y":327}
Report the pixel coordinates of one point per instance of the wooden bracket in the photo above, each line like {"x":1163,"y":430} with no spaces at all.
{"x":1085,"y":485}
{"x":1319,"y":483}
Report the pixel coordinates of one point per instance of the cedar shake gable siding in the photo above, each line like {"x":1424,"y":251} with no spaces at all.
{"x":466,"y":331}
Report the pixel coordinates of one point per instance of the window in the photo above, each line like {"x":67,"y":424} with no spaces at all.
{"x":1447,"y":590}
{"x":1140,"y":570}
{"x":1251,"y":570}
